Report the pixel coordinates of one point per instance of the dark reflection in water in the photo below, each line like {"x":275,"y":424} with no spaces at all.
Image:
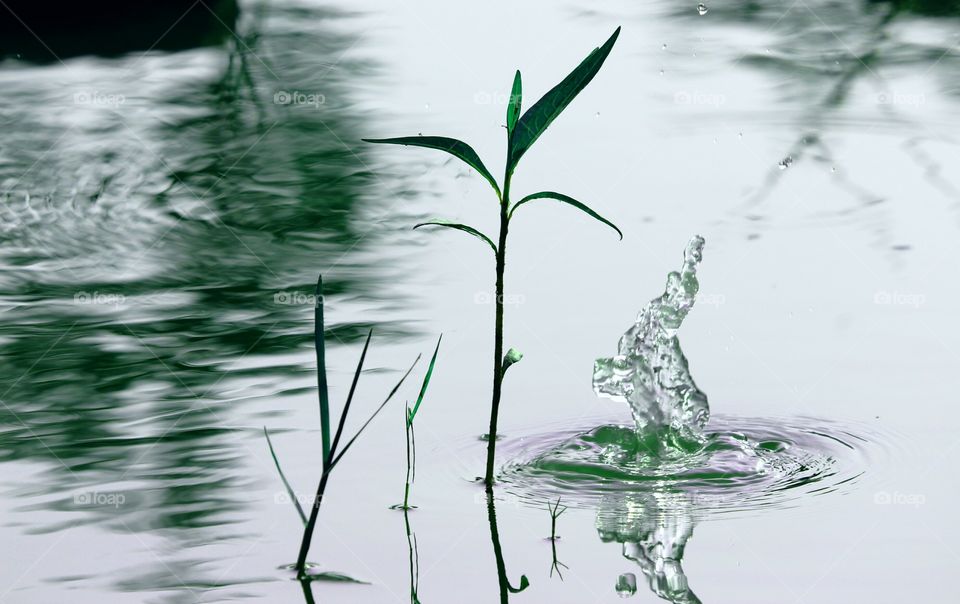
{"x":506,"y":587}
{"x":158,"y":213}
{"x":54,"y":31}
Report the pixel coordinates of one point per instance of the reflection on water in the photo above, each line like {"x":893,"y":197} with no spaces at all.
{"x":163,"y":217}
{"x":653,"y":529}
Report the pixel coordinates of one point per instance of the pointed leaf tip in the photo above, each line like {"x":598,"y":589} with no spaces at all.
{"x":536,"y":119}
{"x":513,"y":107}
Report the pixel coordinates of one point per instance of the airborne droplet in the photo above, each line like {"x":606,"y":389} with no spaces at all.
{"x":702,"y":9}
{"x":785,"y":162}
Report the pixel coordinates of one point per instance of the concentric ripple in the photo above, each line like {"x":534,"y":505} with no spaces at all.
{"x":746,"y":464}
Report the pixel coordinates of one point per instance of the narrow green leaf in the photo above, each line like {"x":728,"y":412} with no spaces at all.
{"x":452,"y":146}
{"x":286,"y":484}
{"x":353,"y":389}
{"x":513,"y":107}
{"x":513,"y":356}
{"x":346,"y":447}
{"x":533,"y":123}
{"x":459,"y":227}
{"x":426,"y":382}
{"x":321,"y":370}
{"x":567,"y":200}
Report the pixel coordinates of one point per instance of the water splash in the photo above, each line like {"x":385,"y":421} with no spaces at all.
{"x":650,"y":371}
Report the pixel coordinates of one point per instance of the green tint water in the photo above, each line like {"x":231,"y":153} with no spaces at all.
{"x":159,"y":257}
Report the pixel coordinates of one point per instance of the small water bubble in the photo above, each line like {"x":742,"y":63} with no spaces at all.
{"x":785,"y":162}
{"x":702,"y":9}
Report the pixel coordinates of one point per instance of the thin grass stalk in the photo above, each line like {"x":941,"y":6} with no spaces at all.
{"x":322,"y":487}
{"x":320,"y":347}
{"x":283,"y":477}
{"x":408,"y":425}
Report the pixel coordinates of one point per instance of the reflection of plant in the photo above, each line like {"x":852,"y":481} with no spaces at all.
{"x":332,"y":453}
{"x":522,"y":132}
{"x":414,"y":559}
{"x":555,"y":513}
{"x":409,"y":416}
{"x":505,"y":587}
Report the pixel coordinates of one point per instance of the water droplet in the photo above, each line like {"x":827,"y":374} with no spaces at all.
{"x":661,"y":72}
{"x":833,"y":168}
{"x":626,"y":585}
{"x":419,"y":133}
{"x":598,"y":114}
{"x":702,"y":9}
{"x":785,"y":162}
{"x":739,"y":134}
{"x":427,"y":106}
{"x":664,"y":47}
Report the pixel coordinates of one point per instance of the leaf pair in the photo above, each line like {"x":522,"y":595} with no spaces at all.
{"x":524,"y":130}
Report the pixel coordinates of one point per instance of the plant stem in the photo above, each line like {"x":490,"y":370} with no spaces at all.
{"x":498,"y":330}
{"x":406,"y":490}
{"x":311,"y":523}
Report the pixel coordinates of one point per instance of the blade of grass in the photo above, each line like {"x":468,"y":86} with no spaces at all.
{"x":346,"y":447}
{"x":321,"y":370}
{"x":426,"y":382}
{"x":286,"y":484}
{"x":353,"y":389}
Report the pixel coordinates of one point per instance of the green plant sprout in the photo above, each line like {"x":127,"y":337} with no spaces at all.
{"x":409,"y":416}
{"x":332,"y":453}
{"x":522,"y":132}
